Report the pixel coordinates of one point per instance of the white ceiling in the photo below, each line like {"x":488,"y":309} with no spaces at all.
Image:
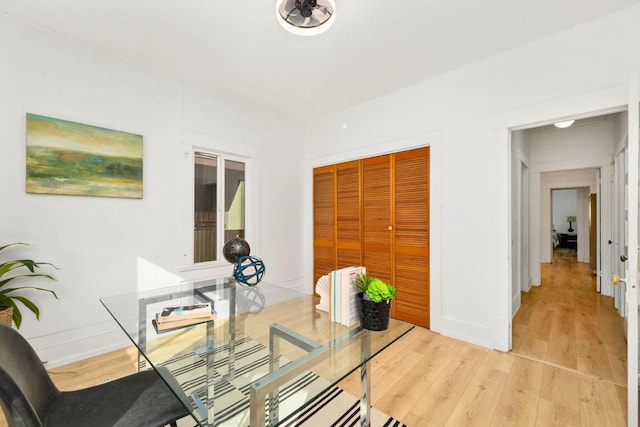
{"x":237,"y":48}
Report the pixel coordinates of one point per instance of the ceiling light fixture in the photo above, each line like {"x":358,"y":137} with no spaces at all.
{"x":306,"y":17}
{"x":564,"y":124}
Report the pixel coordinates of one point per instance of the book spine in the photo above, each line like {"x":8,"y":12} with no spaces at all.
{"x":337,"y":296}
{"x":349,"y":291}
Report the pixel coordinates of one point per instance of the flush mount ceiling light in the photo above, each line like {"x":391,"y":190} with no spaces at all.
{"x":306,"y":17}
{"x":564,"y":124}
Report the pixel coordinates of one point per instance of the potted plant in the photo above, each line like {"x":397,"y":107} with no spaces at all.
{"x":11,"y":272}
{"x":375,"y":301}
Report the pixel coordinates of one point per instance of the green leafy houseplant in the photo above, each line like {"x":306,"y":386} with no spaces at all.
{"x":13,"y":271}
{"x":374,"y":288}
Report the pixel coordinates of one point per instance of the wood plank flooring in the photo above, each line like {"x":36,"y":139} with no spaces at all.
{"x":565,"y":322}
{"x":567,"y":367}
{"x":426,"y":379}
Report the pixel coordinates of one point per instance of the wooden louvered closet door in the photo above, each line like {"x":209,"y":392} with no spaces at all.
{"x":411,"y":236}
{"x":336,"y":217}
{"x":348,"y":214}
{"x":375,"y":212}
{"x":377,"y":224}
{"x":324,"y":221}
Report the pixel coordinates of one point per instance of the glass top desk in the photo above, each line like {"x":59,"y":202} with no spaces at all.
{"x":268,"y":354}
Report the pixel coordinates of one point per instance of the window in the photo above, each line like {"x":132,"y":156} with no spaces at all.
{"x":217,"y":178}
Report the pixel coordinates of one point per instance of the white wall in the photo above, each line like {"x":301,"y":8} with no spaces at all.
{"x":465,"y":115}
{"x":108,"y":246}
{"x":564,"y":203}
{"x":582,"y":145}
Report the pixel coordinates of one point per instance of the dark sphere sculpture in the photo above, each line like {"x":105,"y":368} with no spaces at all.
{"x":235,"y":249}
{"x":249,"y":270}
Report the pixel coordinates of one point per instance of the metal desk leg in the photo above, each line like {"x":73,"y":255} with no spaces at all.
{"x":210,"y":360}
{"x":232,"y":333}
{"x":279,"y":376}
{"x":365,"y":384}
{"x":142,"y":334}
{"x":274,"y":364}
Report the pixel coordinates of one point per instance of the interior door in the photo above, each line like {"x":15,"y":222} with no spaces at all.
{"x":632,"y":256}
{"x":593,"y":235}
{"x":348,"y":224}
{"x":619,"y":250}
{"x":411,"y":236}
{"x":375,"y":212}
{"x":324,"y":220}
{"x":377,"y":223}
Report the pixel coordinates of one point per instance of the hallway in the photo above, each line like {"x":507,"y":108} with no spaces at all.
{"x":566,"y":323}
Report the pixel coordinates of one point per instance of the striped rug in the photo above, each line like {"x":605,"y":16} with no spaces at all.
{"x":337,"y":408}
{"x":334,"y":407}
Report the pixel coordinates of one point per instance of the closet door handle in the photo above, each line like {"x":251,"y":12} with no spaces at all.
{"x":390,"y":228}
{"x":623,"y":258}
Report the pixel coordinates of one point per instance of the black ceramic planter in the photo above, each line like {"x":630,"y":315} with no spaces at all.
{"x":374,"y":315}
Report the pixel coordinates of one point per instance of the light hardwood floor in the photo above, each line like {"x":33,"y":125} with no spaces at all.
{"x":567,"y":367}
{"x":567,"y":323}
{"x":426,"y":379}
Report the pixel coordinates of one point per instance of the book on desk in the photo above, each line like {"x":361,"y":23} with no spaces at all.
{"x":176,"y":317}
{"x":338,"y":295}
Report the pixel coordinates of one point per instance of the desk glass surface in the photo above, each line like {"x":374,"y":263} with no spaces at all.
{"x":268,"y":343}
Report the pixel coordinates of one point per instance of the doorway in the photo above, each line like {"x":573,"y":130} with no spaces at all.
{"x":576,"y":164}
{"x":571,"y":222}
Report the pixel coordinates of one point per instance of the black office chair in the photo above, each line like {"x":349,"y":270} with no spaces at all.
{"x":29,"y":398}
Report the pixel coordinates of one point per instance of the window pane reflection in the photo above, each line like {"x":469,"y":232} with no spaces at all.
{"x":234,"y":199}
{"x":205,"y":196}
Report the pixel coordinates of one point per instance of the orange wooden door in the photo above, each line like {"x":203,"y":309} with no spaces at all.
{"x":377,"y":223}
{"x":324,"y":222}
{"x":411,"y":236}
{"x":348,"y":214}
{"x":375,"y":212}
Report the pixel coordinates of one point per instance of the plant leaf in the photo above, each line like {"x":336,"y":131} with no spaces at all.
{"x":29,"y":304}
{"x":5,"y":281}
{"x":13,"y":244}
{"x":6,"y":291}
{"x":17,"y":316}
{"x":377,"y":290}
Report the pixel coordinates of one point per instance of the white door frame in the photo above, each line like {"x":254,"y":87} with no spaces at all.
{"x":632,"y":261}
{"x":619,"y":218}
{"x":611,"y":100}
{"x":523,"y":248}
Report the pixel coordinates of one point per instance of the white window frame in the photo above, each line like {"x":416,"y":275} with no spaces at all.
{"x":188,"y":199}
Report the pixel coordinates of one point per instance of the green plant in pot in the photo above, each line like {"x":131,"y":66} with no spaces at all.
{"x":375,"y":301}
{"x":13,"y":272}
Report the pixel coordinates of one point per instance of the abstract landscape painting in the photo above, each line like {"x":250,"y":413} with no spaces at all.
{"x":72,"y":158}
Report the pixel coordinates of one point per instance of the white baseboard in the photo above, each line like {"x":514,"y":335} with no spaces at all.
{"x":73,"y":345}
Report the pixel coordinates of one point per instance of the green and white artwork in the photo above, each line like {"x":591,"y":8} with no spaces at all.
{"x":76,"y":159}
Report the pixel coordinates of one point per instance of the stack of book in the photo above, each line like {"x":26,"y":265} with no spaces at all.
{"x":185,"y":315}
{"x":339,"y":300}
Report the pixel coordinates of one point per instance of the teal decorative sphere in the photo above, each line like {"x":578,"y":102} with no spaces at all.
{"x":249,"y":270}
